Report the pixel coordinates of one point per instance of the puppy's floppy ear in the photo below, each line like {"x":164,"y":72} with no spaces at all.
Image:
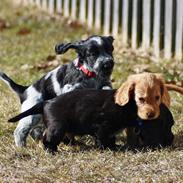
{"x":165,"y":97}
{"x":124,"y":93}
{"x":62,"y":48}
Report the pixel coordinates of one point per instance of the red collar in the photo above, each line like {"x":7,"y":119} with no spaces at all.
{"x":83,"y":68}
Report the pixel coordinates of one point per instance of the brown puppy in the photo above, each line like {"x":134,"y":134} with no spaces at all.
{"x":148,"y":90}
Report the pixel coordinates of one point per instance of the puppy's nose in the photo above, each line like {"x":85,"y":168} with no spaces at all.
{"x":150,"y":115}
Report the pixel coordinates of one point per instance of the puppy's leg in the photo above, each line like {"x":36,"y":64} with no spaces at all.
{"x":53,"y":136}
{"x":104,"y":138}
{"x":22,"y":130}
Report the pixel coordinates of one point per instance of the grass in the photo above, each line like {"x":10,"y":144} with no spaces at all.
{"x":26,"y":47}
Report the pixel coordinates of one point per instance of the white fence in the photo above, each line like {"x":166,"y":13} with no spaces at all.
{"x":151,"y":26}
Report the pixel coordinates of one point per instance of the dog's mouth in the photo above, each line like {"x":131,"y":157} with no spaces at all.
{"x":148,"y":115}
{"x":105,"y":67}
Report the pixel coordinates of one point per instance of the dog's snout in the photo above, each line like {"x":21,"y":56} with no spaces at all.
{"x":108,"y":64}
{"x":150,"y":115}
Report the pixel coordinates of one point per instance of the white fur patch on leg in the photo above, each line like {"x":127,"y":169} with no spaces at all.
{"x":22,"y":130}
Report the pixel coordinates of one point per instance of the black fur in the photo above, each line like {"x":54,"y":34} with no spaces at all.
{"x":94,"y":112}
{"x":153,"y":133}
{"x":81,"y":112}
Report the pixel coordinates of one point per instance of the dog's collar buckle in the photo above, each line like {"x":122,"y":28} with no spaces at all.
{"x":84,"y":69}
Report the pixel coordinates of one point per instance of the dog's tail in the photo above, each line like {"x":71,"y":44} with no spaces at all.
{"x":174,"y":88}
{"x":36,"y":109}
{"x":19,"y":89}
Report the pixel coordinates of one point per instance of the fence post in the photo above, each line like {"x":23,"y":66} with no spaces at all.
{"x":90,"y":13}
{"x":31,"y":1}
{"x":156,"y":28}
{"x":38,"y":3}
{"x":168,"y":29}
{"x":44,"y":5}
{"x":107,"y":16}
{"x":115,"y":26}
{"x":125,"y":11}
{"x":73,"y":9}
{"x":25,"y":2}
{"x":134,"y":24}
{"x":82,"y":11}
{"x":179,"y":30}
{"x":146,"y":24}
{"x":98,"y":14}
{"x":59,"y":6}
{"x":66,"y":8}
{"x":51,"y":6}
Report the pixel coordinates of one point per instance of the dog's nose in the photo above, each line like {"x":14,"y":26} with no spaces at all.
{"x":150,"y":115}
{"x":108,"y":64}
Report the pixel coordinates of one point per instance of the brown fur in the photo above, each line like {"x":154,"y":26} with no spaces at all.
{"x":174,"y":88}
{"x":148,"y":90}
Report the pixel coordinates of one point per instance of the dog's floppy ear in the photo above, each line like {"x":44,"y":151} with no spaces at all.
{"x":165,"y":97}
{"x":64,"y":47}
{"x":124,"y":93}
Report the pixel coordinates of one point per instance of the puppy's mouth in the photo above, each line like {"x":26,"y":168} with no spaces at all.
{"x":148,"y":116}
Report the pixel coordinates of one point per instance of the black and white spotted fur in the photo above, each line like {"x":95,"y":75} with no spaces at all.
{"x":94,"y":54}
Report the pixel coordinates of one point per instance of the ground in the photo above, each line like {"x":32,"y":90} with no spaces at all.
{"x":27,"y":40}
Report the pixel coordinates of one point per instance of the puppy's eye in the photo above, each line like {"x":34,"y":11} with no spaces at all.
{"x":157,"y":98}
{"x":142,"y":100}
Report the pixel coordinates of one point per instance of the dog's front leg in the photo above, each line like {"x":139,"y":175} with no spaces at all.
{"x":105,"y":139}
{"x":54,"y":134}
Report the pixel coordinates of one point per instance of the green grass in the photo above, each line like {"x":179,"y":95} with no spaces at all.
{"x":20,"y":56}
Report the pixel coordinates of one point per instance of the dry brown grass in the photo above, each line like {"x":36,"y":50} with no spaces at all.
{"x":79,"y":163}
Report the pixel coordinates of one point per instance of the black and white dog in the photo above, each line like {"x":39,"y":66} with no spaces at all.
{"x":91,"y":69}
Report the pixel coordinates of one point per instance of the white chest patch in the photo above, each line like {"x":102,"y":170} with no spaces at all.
{"x":106,"y":88}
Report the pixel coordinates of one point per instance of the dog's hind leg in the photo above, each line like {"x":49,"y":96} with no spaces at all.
{"x":26,"y":124}
{"x":23,"y":128}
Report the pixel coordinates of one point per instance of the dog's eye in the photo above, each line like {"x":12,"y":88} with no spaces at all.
{"x":142,"y":100}
{"x":93,"y":52}
{"x":157,"y":98}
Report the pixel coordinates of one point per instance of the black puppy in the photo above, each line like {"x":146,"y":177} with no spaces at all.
{"x":152,"y":133}
{"x":81,"y":112}
{"x":91,"y":69}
